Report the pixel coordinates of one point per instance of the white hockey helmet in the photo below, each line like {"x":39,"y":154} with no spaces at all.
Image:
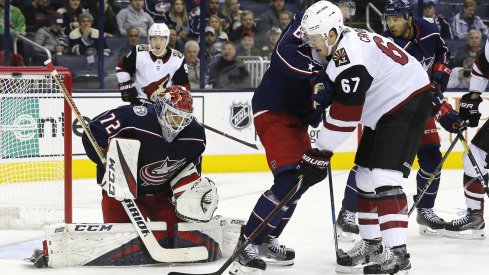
{"x":321,"y":18}
{"x":158,"y":29}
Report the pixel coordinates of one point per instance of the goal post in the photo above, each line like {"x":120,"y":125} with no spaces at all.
{"x":35,"y":148}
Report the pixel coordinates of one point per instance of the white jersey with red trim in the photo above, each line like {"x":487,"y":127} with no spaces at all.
{"x":169,"y":69}
{"x":480,"y":71}
{"x":372,"y":76}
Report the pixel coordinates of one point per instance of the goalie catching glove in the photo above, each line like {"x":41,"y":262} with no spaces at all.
{"x":120,"y":181}
{"x":194,"y":197}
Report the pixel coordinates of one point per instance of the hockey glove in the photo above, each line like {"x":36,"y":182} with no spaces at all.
{"x":469,"y":108}
{"x":440,"y":74}
{"x":129,"y":92}
{"x":313,"y":166}
{"x":323,"y":95}
{"x":450,"y":120}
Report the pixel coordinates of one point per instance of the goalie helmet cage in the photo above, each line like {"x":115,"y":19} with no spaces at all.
{"x":35,"y":148}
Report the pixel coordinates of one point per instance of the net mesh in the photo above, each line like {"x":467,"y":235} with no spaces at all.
{"x":31,"y":151}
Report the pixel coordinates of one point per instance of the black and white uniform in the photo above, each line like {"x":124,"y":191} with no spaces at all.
{"x":378,"y":84}
{"x":169,"y":69}
{"x":474,"y":193}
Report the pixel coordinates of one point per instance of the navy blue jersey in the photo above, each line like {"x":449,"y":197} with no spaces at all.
{"x":159,"y":161}
{"x":427,"y":46}
{"x":287,"y":85}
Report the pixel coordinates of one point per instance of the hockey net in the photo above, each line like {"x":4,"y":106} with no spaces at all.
{"x":35,"y":148}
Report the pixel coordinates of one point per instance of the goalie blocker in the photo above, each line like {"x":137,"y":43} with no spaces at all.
{"x":118,"y":244}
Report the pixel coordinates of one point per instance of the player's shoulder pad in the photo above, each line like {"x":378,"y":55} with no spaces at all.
{"x":425,"y":27}
{"x":142,"y":48}
{"x":177,"y":53}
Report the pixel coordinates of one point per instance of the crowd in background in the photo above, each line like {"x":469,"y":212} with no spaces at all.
{"x":233,"y":28}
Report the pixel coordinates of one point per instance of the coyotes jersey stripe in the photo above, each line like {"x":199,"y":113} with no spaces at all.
{"x":480,"y":71}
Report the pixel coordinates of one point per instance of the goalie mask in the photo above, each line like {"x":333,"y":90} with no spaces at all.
{"x":174,"y":109}
{"x":320,"y":19}
{"x":161,"y":35}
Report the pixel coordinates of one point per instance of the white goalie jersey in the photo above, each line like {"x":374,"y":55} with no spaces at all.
{"x":372,"y":77}
{"x":167,"y":70}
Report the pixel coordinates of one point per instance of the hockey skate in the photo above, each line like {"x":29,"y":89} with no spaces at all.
{"x":470,"y":227}
{"x":429,"y":223}
{"x":347,"y":225}
{"x":393,"y":261}
{"x":38,"y":259}
{"x":363,"y":253}
{"x":248,"y":262}
{"x":276,"y":254}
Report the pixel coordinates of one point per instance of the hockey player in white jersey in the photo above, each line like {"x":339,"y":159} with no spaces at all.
{"x":377,"y":84}
{"x":471,"y":225}
{"x":154,"y":66}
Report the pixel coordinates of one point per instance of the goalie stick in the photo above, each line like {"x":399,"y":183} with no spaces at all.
{"x":473,"y":162}
{"x":157,"y":252}
{"x":253,"y":235}
{"x":433,"y":175}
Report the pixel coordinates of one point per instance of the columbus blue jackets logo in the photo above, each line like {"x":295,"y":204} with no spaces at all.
{"x":140,"y":110}
{"x":160,"y":172}
{"x":340,"y":57}
{"x":240,"y":115}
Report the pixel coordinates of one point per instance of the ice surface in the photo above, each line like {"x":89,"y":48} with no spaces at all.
{"x":309,"y":232}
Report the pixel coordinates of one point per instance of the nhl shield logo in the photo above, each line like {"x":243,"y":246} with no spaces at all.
{"x":240,"y":115}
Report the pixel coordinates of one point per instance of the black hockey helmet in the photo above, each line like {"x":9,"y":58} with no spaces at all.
{"x":398,"y":7}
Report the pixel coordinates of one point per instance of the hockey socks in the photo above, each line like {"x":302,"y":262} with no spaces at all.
{"x":351,"y":194}
{"x":428,"y":159}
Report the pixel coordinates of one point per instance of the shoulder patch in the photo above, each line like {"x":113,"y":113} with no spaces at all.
{"x":177,"y":53}
{"x":142,"y":48}
{"x":140,"y":110}
{"x":340,"y":57}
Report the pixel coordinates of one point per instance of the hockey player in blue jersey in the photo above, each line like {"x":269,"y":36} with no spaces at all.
{"x":168,"y":163}
{"x":420,"y":38}
{"x":284,"y":105}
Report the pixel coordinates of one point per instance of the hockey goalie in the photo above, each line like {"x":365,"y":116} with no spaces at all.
{"x":153,"y":152}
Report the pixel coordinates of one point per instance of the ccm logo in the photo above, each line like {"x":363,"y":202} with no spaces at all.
{"x":111,"y":177}
{"x":466,"y":105}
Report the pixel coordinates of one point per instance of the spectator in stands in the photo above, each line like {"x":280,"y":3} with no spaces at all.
{"x":174,"y":42}
{"x":466,"y":20}
{"x":16,"y":60}
{"x":36,"y":14}
{"x":221,"y":37}
{"x":233,"y":14}
{"x":227,"y":71}
{"x":71,"y":10}
{"x":51,"y":38}
{"x":212,"y":9}
{"x":110,"y":21}
{"x":134,"y":15}
{"x":133,"y":39}
{"x":269,"y":18}
{"x":273,"y":37}
{"x":247,"y":46}
{"x":84,"y":40}
{"x":211,"y":51}
{"x":179,"y":19}
{"x":472,"y":48}
{"x":460,"y":76}
{"x":191,"y":54}
{"x":248,"y":27}
{"x":429,"y":11}
{"x":158,"y":10}
{"x":284,"y":18}
{"x":17,"y":20}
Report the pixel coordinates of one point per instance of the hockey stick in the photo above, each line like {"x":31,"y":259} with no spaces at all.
{"x":254,"y":146}
{"x":433,"y":175}
{"x":473,"y":162}
{"x":333,"y":212}
{"x":253,"y":235}
{"x":157,"y":252}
